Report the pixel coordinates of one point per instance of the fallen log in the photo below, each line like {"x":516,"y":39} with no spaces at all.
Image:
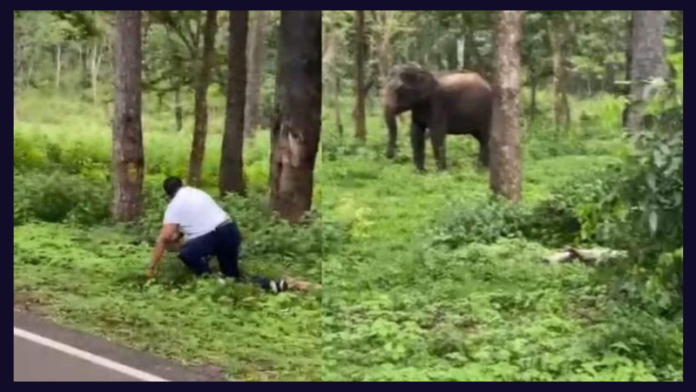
{"x":588,"y":256}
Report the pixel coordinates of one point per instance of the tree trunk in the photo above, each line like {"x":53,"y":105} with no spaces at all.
{"x":679,"y":39}
{"x":506,"y":165}
{"x":58,"y":65}
{"x":647,"y":63}
{"x":200,"y":127}
{"x":232,"y":162}
{"x":559,"y":46}
{"x":178,"y":111}
{"x":360,"y":132}
{"x":385,"y":20}
{"x":337,"y":106}
{"x":297,"y":127}
{"x":629,"y":59}
{"x":127,"y":144}
{"x":256,"y":52}
{"x":533,"y":82}
{"x":16,"y":73}
{"x":94,"y":70}
{"x":85,"y":74}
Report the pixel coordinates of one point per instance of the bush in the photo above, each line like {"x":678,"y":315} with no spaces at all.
{"x":57,"y":197}
{"x":485,"y":223}
{"x":27,"y":155}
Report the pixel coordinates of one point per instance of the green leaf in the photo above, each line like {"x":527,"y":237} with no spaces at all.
{"x":653,"y":221}
{"x":651,"y":181}
{"x":677,"y":198}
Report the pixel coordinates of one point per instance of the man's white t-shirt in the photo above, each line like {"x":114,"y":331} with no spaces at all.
{"x":195,"y":212}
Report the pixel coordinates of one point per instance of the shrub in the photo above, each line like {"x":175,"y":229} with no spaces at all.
{"x":485,"y":223}
{"x":57,"y":197}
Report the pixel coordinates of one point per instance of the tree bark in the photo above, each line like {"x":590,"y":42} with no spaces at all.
{"x":386,"y":21}
{"x":200,"y":128}
{"x":16,"y":73}
{"x":256,"y":50}
{"x":506,"y":165}
{"x":360,"y":131}
{"x":59,"y":62}
{"x":647,"y":63}
{"x":232,"y":162}
{"x":337,"y":106}
{"x":559,"y":45}
{"x":178,"y":111}
{"x":629,"y":59}
{"x":297,"y":126}
{"x":94,"y":69}
{"x":127,"y":144}
{"x":533,"y":83}
{"x":679,"y":20}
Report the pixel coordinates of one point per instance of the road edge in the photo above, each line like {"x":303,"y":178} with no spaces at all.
{"x":115,"y":352}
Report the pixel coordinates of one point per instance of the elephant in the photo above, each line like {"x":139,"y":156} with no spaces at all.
{"x":456,"y":103}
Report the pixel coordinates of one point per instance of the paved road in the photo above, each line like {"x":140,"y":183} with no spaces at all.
{"x":36,"y":362}
{"x":44,"y":351}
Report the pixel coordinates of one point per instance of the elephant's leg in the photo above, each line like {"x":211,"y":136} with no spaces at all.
{"x":483,"y":139}
{"x":437,"y":138}
{"x":391,"y":145}
{"x":418,"y":145}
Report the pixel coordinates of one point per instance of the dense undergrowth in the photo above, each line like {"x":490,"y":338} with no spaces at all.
{"x":75,"y":266}
{"x":436,"y":281}
{"x":425,"y":277}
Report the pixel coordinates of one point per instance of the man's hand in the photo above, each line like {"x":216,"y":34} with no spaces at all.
{"x":151,"y":271}
{"x":165,"y":237}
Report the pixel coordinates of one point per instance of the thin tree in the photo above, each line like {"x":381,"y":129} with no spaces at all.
{"x":200,"y":127}
{"x":506,"y":165}
{"x":127,"y":143}
{"x":626,"y":89}
{"x":559,"y":34}
{"x":647,"y":63}
{"x":297,"y":127}
{"x":359,"y":112}
{"x":232,"y":162}
{"x":59,"y":63}
{"x":256,"y":52}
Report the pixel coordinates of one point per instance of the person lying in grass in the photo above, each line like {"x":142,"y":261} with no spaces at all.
{"x":206,"y":230}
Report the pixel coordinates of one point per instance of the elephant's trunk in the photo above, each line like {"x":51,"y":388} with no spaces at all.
{"x":390,"y":118}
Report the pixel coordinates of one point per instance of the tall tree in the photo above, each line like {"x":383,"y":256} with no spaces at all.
{"x":200,"y":127}
{"x":256,"y":52}
{"x":506,"y":165}
{"x":336,"y":26}
{"x":59,"y":63}
{"x":232,"y":162}
{"x":386,"y":26}
{"x":359,"y":111}
{"x":16,"y":67}
{"x":297,"y":127}
{"x":127,"y":144}
{"x":559,"y":34}
{"x":95,"y":62}
{"x":647,"y":63}
{"x":626,"y":89}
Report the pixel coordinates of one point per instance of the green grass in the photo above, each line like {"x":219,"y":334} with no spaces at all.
{"x":396,"y":307}
{"x":93,"y":277}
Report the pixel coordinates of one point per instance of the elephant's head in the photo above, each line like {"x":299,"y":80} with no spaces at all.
{"x":406,"y":87}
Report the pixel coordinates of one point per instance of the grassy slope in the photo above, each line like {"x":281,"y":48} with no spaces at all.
{"x":92,"y":278}
{"x":395,"y":309}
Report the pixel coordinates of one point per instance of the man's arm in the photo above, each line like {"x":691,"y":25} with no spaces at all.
{"x":168,"y":234}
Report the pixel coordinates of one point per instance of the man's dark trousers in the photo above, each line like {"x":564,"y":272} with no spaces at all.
{"x":224,"y":243}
